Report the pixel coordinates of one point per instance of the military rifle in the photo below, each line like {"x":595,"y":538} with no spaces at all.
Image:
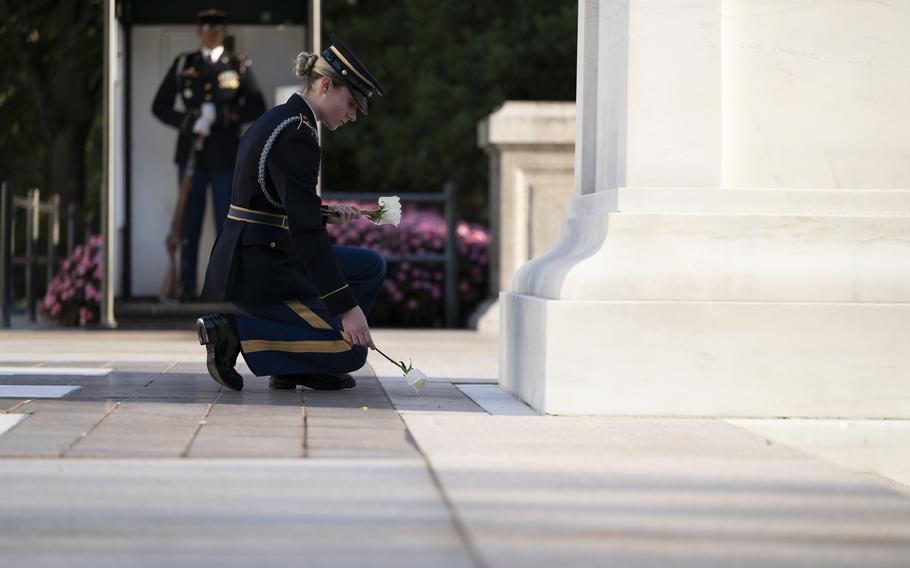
{"x":170,"y":287}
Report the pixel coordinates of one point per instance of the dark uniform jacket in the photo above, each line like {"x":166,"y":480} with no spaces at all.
{"x":229,"y":84}
{"x":256,"y":261}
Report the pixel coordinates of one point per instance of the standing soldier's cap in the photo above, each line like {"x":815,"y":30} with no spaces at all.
{"x":211,"y":16}
{"x":358,"y":78}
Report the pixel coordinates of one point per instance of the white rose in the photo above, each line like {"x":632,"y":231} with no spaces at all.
{"x":416,"y":379}
{"x":391,"y":210}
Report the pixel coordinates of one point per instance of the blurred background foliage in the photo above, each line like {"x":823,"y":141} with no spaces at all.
{"x":445,"y":66}
{"x":50,"y":97}
{"x":414,"y":293}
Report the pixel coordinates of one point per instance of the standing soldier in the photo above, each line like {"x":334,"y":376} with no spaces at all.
{"x":219,"y":94}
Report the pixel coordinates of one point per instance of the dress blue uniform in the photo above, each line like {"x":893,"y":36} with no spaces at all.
{"x":274,"y":260}
{"x":228,"y":83}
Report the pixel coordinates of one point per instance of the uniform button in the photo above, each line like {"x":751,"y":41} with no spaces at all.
{"x":272,"y":244}
{"x":187,"y":83}
{"x":208,"y":97}
{"x":208,"y":86}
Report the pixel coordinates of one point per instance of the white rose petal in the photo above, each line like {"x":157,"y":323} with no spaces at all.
{"x":416,"y":379}
{"x":392,"y":217}
{"x":391,"y":210}
{"x":390,"y":207}
{"x":390,"y":202}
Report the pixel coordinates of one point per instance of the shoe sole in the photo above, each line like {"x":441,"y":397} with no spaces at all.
{"x":282,"y":385}
{"x":203,"y":333}
{"x":314,"y":385}
{"x":330,"y":385}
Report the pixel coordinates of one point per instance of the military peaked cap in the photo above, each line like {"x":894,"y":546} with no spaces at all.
{"x":211,"y":16}
{"x":355,"y":74}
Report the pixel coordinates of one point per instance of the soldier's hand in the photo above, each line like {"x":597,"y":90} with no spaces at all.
{"x":356,"y":328}
{"x":203,"y":124}
{"x":342,"y":214}
{"x":202,"y":127}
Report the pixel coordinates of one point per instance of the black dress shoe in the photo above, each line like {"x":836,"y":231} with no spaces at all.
{"x":222,"y":348}
{"x":313,"y":381}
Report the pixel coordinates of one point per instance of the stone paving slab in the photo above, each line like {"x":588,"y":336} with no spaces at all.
{"x":434,"y":397}
{"x":117,"y":387}
{"x":542,"y":491}
{"x":103,"y":363}
{"x":261,"y":397}
{"x":37,"y":379}
{"x":368,"y":392}
{"x":358,"y":442}
{"x":250,"y":431}
{"x":372,"y":418}
{"x":7,"y":404}
{"x":180,"y":385}
{"x":36,"y":391}
{"x":142,"y":429}
{"x":115,"y":379}
{"x":113,"y":386}
{"x":156,"y":367}
{"x":494,"y":400}
{"x":189,"y":368}
{"x":226,"y":513}
{"x":52,"y":426}
{"x":10,"y":421}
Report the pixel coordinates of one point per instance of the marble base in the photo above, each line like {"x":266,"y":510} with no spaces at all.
{"x":716,"y":359}
{"x":755,"y":304}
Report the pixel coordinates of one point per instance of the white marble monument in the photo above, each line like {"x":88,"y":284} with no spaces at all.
{"x":738,"y":244}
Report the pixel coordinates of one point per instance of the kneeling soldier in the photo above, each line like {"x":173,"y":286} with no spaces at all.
{"x":302,"y":300}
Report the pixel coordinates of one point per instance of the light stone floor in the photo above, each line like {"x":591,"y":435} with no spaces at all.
{"x":153,"y":464}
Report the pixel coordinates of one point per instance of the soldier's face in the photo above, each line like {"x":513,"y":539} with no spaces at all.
{"x":211,"y":35}
{"x":337,"y":104}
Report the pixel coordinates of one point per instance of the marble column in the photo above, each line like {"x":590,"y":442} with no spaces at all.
{"x":739,"y":240}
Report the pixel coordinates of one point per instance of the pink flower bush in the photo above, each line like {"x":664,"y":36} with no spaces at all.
{"x":414,"y":293}
{"x":74,"y":295}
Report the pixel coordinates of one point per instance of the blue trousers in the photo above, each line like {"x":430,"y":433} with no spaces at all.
{"x":221,"y":182}
{"x":299,"y":335}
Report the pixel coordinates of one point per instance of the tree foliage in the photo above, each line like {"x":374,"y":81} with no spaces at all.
{"x":445,"y":66}
{"x":50,"y":93}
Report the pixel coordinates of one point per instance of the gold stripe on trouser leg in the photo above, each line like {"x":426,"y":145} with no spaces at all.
{"x":256,"y":345}
{"x":308,"y":315}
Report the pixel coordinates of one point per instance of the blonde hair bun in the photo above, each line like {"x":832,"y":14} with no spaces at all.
{"x":304,"y":64}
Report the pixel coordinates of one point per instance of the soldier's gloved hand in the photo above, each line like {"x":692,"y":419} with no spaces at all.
{"x":208,"y":112}
{"x":342,"y":214}
{"x":203,"y":124}
{"x":356,"y":328}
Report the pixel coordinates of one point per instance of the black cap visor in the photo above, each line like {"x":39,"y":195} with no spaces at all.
{"x":361,"y":99}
